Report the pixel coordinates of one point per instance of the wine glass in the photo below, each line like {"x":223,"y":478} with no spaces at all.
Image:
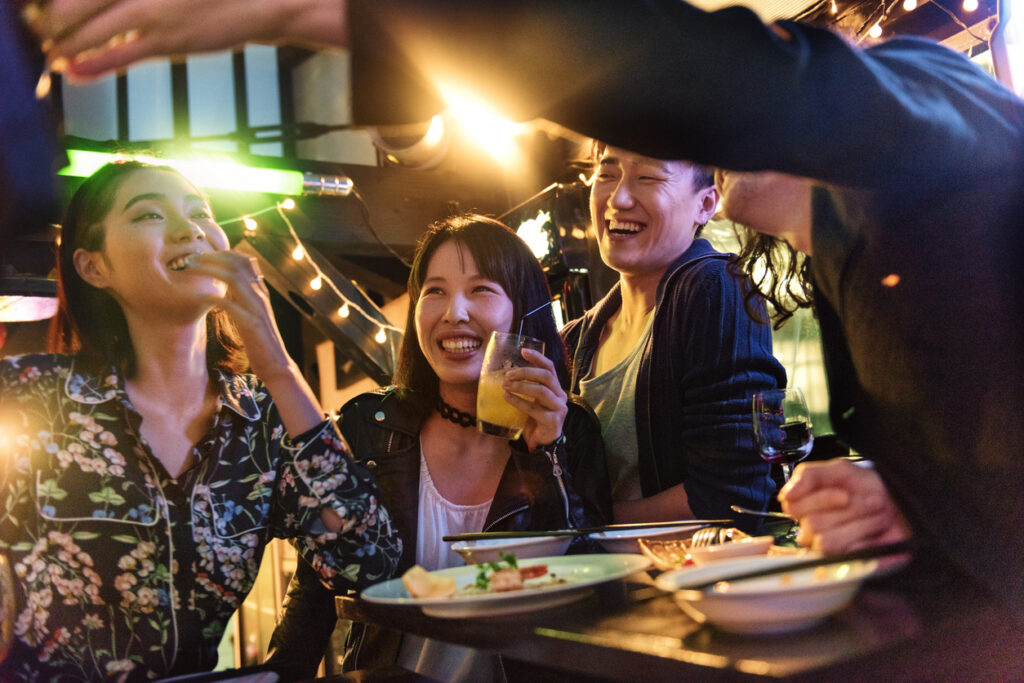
{"x":782,"y":427}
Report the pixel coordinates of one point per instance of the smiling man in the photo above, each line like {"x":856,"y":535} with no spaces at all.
{"x":669,"y":358}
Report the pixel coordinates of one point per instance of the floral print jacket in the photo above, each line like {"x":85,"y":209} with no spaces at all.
{"x":123,"y":572}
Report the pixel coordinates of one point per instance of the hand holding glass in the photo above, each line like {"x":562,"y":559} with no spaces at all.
{"x":494,"y":415}
{"x":782,"y":427}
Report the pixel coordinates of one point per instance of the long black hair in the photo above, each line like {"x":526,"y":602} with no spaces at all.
{"x":89,"y":321}
{"x":501,"y":256}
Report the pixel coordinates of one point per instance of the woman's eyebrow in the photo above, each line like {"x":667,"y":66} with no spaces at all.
{"x":143,"y":197}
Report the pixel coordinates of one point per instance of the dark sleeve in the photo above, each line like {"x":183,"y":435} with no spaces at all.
{"x":666,"y":79}
{"x":300,"y":639}
{"x":722,"y":357}
{"x":585,"y":459}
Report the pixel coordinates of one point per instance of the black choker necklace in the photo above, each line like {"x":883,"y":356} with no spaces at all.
{"x":455,"y":415}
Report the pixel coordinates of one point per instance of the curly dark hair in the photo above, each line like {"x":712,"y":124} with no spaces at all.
{"x":89,"y":322}
{"x":777,"y":271}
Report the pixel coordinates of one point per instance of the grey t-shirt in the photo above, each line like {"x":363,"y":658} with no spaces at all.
{"x":612,"y":395}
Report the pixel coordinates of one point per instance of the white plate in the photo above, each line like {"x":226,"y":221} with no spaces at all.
{"x":624,"y":540}
{"x":779,"y":603}
{"x":580,"y":572}
{"x":488,"y":550}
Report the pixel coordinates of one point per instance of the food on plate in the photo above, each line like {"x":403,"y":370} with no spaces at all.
{"x":422,"y":584}
{"x":501,"y":576}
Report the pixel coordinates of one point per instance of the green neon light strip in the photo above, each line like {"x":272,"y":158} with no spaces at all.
{"x":223,"y":175}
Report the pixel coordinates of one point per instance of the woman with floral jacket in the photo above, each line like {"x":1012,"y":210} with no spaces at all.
{"x":144,"y":473}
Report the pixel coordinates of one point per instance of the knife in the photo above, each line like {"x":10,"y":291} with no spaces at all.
{"x":485,"y":535}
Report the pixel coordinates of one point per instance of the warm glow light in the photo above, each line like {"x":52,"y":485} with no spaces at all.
{"x":435,"y":132}
{"x":970,"y":5}
{"x":297,"y":253}
{"x":875,"y":31}
{"x":532,"y":231}
{"x":494,"y":133}
{"x":288,"y":204}
{"x":835,"y":8}
{"x":909,"y":5}
{"x":381,"y":337}
{"x":316,"y":283}
{"x":343,"y":311}
{"x":250,"y":224}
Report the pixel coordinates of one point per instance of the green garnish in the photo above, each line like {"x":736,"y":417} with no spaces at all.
{"x":483,"y":579}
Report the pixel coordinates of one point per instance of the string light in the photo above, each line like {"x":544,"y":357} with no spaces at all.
{"x":299,"y":253}
{"x":876,"y":30}
{"x":970,"y":5}
{"x":250,"y":223}
{"x":347,"y":305}
{"x":909,"y":5}
{"x":835,"y":8}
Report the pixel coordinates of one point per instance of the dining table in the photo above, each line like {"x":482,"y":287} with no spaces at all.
{"x":630,"y":630}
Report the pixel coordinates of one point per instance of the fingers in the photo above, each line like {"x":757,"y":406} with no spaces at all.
{"x":95,"y":63}
{"x":238,"y":271}
{"x":811,"y":476}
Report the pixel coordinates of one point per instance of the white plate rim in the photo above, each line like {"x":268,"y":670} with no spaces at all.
{"x":496,"y":543}
{"x":615,"y":566}
{"x":669,"y":581}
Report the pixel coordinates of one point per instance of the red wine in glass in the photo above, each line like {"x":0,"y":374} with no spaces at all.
{"x":782,"y":427}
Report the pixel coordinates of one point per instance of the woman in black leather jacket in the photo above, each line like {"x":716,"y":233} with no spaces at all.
{"x":438,"y":475}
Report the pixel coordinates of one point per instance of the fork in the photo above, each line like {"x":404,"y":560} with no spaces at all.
{"x":706,"y":536}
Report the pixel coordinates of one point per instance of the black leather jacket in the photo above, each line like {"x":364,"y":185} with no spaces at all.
{"x":382,"y":429}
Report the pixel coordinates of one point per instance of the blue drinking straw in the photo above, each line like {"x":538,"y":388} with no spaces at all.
{"x":528,"y":315}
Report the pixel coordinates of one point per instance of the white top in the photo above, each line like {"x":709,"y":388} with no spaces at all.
{"x":439,"y":517}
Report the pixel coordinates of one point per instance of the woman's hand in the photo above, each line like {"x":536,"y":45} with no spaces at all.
{"x":535,"y":391}
{"x":842,"y":507}
{"x":247,"y":303}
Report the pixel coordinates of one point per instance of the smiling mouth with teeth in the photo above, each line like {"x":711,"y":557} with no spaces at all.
{"x":625,"y":227}
{"x":183,"y":262}
{"x":460,"y":344}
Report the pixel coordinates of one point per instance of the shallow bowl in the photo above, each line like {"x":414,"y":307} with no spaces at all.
{"x":489,"y":550}
{"x":780,"y":603}
{"x":625,"y":540}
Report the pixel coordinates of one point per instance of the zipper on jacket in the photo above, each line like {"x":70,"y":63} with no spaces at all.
{"x":506,"y":516}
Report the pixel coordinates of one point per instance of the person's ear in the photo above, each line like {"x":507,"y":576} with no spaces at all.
{"x":708,"y":204}
{"x":90,"y":267}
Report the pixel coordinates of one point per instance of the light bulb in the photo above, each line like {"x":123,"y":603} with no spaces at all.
{"x":835,"y":8}
{"x":297,"y":253}
{"x":909,"y":5}
{"x":343,"y":311}
{"x":381,"y":337}
{"x":250,"y":224}
{"x":317,"y":282}
{"x":970,"y":5}
{"x":288,"y":204}
{"x":875,"y":31}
